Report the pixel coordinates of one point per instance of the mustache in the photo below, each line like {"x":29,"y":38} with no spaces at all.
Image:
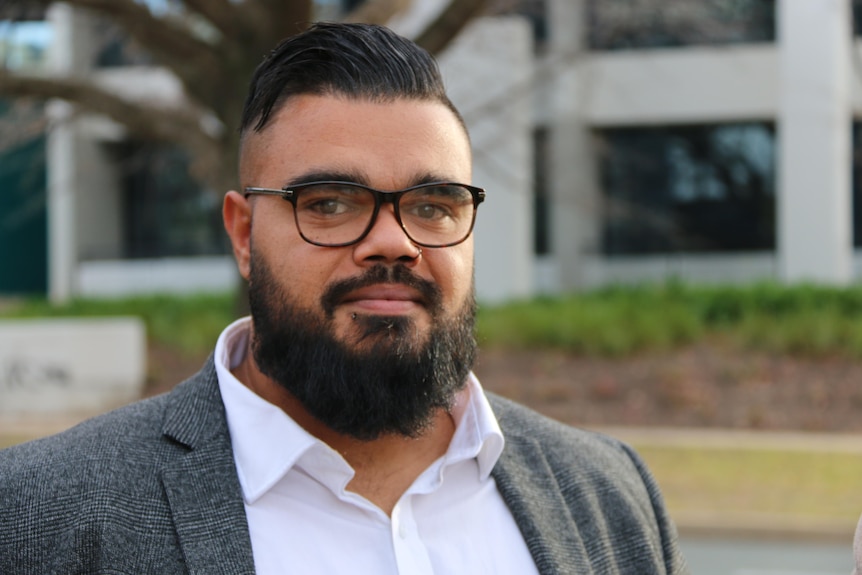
{"x":380,"y":274}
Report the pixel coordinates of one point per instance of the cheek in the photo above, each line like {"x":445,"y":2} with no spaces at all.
{"x":307,"y":271}
{"x":454,"y":273}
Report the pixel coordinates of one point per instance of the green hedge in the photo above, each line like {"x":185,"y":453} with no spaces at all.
{"x":190,"y":324}
{"x":805,"y":319}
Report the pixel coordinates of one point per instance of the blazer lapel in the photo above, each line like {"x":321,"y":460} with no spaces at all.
{"x":527,"y":484}
{"x":202,"y":486}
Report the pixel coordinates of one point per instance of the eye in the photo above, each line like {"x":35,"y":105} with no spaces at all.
{"x":326,"y":206}
{"x":430,"y":211}
{"x":437,"y":202}
{"x":329,"y":200}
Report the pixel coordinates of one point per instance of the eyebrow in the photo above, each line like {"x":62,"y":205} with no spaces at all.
{"x":357,"y":178}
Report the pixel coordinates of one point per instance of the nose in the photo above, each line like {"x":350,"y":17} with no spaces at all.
{"x":386,"y":242}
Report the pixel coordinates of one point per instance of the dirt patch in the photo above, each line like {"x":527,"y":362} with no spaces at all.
{"x":698,"y":386}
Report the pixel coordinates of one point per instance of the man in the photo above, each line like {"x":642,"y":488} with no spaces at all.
{"x":339,"y":429}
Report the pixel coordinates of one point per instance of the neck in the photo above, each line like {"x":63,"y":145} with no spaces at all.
{"x":384,"y":467}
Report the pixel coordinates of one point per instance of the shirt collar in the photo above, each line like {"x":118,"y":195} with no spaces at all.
{"x":267,"y":443}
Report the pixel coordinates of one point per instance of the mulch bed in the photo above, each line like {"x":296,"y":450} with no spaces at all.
{"x":698,"y":386}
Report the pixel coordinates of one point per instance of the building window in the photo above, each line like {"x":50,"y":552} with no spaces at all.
{"x":687,"y":189}
{"x":23,"y":199}
{"x":637,"y":24}
{"x":856,"y":7}
{"x":857,"y":184}
{"x":541,"y":200}
{"x":167,"y":213}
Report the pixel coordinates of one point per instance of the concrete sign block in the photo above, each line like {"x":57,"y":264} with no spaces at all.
{"x":70,"y":366}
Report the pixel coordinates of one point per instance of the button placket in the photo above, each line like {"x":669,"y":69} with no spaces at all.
{"x":410,"y":552}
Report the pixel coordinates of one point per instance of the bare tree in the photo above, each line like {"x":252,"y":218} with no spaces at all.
{"x":212,"y":47}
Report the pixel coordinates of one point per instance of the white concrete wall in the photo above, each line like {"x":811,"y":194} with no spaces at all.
{"x":575,"y":213}
{"x":62,"y":203}
{"x":698,"y":268}
{"x":815,"y":201}
{"x":487,"y":71}
{"x":691,"y":85}
{"x":117,"y":278}
{"x":66,"y":55}
{"x":99,"y":202}
{"x":84,"y":366}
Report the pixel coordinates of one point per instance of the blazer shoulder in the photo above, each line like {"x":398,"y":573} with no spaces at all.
{"x":113,"y":434}
{"x":98,"y":493}
{"x":600,"y":479}
{"x":568,"y":450}
{"x":131,"y":435}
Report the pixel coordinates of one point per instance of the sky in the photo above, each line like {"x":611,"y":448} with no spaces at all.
{"x":24,"y":44}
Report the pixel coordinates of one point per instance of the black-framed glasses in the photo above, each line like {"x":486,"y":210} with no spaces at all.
{"x":337,"y":214}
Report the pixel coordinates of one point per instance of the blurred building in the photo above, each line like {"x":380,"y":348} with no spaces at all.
{"x":619,"y":140}
{"x":710,"y":141}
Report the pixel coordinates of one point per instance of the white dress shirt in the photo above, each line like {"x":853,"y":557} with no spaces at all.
{"x":302,"y":519}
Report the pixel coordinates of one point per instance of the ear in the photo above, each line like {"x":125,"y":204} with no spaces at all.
{"x":236,"y":213}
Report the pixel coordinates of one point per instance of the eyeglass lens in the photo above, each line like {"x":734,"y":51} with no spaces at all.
{"x":333,"y":214}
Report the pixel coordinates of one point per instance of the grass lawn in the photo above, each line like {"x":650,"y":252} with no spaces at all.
{"x":745,"y":487}
{"x":777,"y":487}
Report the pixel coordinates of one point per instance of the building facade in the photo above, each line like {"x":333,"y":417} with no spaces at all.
{"x":710,"y":141}
{"x":619,"y":141}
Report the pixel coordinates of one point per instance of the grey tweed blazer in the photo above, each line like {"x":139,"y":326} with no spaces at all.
{"x":152,"y":488}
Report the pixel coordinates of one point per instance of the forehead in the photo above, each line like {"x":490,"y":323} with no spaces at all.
{"x":389,"y":144}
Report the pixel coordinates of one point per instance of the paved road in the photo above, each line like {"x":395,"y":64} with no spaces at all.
{"x":737,"y":557}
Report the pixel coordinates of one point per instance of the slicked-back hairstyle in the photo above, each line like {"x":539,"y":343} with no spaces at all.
{"x":359,"y":61}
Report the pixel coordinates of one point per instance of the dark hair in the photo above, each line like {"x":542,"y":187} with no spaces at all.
{"x":361,"y":61}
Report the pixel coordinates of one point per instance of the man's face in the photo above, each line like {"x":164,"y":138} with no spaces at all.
{"x":375,"y":299}
{"x":387,"y":146}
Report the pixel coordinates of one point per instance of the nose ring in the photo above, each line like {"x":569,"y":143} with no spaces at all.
{"x":419,"y":254}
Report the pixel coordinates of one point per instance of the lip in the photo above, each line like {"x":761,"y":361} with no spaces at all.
{"x":384,"y":298}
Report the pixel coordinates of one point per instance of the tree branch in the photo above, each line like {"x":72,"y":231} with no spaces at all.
{"x":223,"y":14}
{"x":18,"y":10}
{"x":160,"y":35}
{"x":449,"y":23}
{"x":278,"y":19}
{"x":376,"y":11}
{"x":192,"y":60}
{"x":183,"y":125}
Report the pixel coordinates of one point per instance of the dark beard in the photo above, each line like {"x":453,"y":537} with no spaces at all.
{"x":394,"y":384}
